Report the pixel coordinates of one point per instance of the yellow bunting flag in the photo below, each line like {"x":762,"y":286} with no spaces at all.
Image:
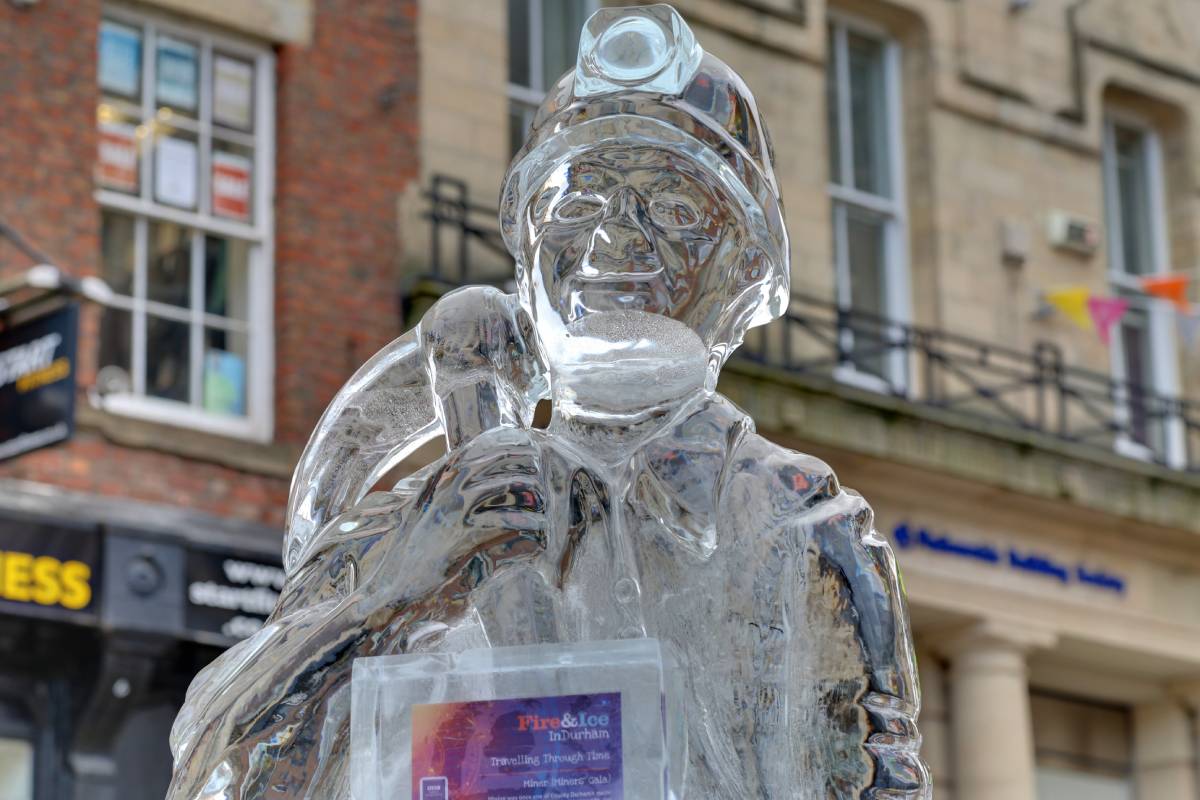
{"x":1168,"y":287}
{"x":1073,"y":301}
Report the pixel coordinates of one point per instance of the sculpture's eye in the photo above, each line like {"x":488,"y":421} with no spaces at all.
{"x":578,"y":207}
{"x":674,"y":213}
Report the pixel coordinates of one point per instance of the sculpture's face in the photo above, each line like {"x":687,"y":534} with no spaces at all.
{"x":623,"y":228}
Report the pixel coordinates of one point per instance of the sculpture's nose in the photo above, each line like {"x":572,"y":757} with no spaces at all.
{"x":620,"y":243}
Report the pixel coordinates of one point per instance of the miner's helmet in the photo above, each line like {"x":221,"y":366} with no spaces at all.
{"x":642,"y":79}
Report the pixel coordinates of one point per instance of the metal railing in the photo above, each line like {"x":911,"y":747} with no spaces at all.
{"x":452,"y":214}
{"x":1035,"y":390}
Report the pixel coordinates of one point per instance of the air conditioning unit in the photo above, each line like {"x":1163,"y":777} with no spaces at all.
{"x":1073,"y":233}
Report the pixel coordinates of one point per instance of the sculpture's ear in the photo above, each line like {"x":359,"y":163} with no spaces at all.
{"x":758,"y":294}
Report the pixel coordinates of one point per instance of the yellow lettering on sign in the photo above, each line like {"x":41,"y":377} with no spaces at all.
{"x":17,"y":580}
{"x":58,"y":369}
{"x":76,"y":591}
{"x":44,"y":580}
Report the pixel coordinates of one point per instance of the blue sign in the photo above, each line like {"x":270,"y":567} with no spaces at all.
{"x":178,"y":69}
{"x":1011,"y":557}
{"x":120,"y":59}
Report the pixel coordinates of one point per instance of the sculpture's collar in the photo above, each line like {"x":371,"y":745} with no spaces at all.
{"x":678,"y":473}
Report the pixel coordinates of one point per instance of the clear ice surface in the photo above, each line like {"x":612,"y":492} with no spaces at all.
{"x":646,"y":225}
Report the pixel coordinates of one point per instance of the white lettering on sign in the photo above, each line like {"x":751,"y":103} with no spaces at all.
{"x":240,"y":627}
{"x":247,"y":572}
{"x":256,"y":600}
{"x":248,"y":589}
{"x":32,"y":356}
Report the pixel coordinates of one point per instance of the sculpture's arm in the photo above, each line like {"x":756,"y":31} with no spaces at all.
{"x":845,"y":538}
{"x":470,"y":365}
{"x":794,"y":502}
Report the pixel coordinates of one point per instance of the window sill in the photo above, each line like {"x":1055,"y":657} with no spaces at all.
{"x":127,"y":422}
{"x":179,"y":415}
{"x":865,"y":381}
{"x":1128,"y":448}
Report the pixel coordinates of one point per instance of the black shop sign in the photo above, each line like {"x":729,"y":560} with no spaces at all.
{"x":49,"y":569}
{"x":230,"y":596}
{"x":37,"y":382}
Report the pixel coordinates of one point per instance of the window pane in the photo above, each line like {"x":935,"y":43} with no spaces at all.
{"x":1083,"y":750}
{"x":176,"y":166}
{"x":118,"y":154}
{"x":868,"y":111}
{"x":865,"y":242}
{"x":177,"y":70}
{"x":16,"y":769}
{"x":232,"y":181}
{"x":169,"y":264}
{"x":116,"y":247}
{"x":120,"y":52}
{"x":116,"y":360}
{"x":1070,"y":784}
{"x":561,"y":22}
{"x":518,"y":126}
{"x":1138,"y":358}
{"x":233,"y":92}
{"x":1133,"y":196}
{"x":226,"y":272}
{"x":225,"y":359}
{"x":167,"y":348}
{"x":518,"y":42}
{"x":831,"y":109}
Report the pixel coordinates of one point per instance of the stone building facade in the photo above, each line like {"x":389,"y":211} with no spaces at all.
{"x":946,"y":167}
{"x":232,"y":171}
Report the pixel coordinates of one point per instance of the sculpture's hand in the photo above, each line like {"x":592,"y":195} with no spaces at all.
{"x":483,"y":363}
{"x":471,"y":364}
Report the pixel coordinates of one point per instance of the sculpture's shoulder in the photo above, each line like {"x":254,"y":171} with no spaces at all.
{"x":765,"y":485}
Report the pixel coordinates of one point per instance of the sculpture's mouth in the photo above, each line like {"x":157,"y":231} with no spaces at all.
{"x":616,"y":292}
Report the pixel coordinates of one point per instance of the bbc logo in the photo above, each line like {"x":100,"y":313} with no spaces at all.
{"x":435,"y":789}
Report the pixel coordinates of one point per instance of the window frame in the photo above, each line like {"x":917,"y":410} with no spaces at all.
{"x":258,"y":422}
{"x":529,"y":98}
{"x":893,"y":210}
{"x":1164,"y":363}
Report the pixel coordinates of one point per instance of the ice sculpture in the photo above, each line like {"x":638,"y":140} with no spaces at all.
{"x":645,"y":221}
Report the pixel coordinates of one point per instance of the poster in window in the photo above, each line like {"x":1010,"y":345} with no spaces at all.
{"x":224,"y":382}
{"x":177,"y":71}
{"x":175,"y":172}
{"x":120,"y":59}
{"x":117,"y":165}
{"x":231,"y":186}
{"x":233,"y":93}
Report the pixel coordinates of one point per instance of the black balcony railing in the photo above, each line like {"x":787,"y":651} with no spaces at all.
{"x":455,"y":225}
{"x":1034,"y":390}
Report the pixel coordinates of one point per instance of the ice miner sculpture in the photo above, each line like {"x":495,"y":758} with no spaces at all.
{"x":645,"y":221}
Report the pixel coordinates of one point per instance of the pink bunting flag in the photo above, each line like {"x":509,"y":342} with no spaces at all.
{"x":1107,"y":312}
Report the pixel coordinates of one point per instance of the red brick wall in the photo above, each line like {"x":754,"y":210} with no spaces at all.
{"x":347,"y":148}
{"x":48,"y":137}
{"x":346,"y":134}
